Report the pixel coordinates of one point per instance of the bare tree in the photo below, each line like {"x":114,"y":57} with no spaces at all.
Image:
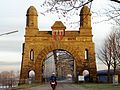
{"x":111,"y":13}
{"x":105,"y":56}
{"x":12,"y":79}
{"x":115,"y":44}
{"x":109,"y":54}
{"x":68,"y":8}
{"x":118,"y":1}
{"x":64,"y":5}
{"x":65,"y":8}
{"x":7,"y":79}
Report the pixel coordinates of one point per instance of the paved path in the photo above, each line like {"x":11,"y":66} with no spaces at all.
{"x":60,"y":86}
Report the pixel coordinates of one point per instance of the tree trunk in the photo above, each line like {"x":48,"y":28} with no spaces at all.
{"x":114,"y":67}
{"x":108,"y":77}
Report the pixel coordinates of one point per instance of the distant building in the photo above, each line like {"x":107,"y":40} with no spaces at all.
{"x":49,"y":65}
{"x":102,"y":76}
{"x":65,"y":65}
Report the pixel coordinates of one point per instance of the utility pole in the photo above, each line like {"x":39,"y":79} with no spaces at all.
{"x":7,"y":33}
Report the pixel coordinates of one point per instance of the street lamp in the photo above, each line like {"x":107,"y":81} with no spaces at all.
{"x":9,"y":32}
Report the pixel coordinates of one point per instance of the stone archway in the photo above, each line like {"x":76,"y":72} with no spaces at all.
{"x":60,"y":62}
{"x":43,"y":53}
{"x":86,"y":75}
{"x":39,"y":43}
{"x":31,"y":75}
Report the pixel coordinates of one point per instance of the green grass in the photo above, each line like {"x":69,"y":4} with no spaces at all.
{"x":86,"y":86}
{"x":100,"y":86}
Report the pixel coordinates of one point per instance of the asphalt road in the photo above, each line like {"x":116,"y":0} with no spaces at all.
{"x":60,"y":86}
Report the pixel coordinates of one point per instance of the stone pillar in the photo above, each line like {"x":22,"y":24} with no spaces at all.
{"x":93,"y":75}
{"x":38,"y":72}
{"x":38,"y":77}
{"x":23,"y":76}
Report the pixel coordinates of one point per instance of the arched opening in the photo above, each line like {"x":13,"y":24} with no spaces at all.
{"x":32,"y":55}
{"x":62,"y":63}
{"x":86,"y":75}
{"x":86,"y":54}
{"x":31,"y":76}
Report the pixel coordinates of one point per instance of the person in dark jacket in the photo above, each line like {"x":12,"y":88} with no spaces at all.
{"x":53,"y":78}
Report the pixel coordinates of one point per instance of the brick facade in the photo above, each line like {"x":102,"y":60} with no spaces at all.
{"x":43,"y":42}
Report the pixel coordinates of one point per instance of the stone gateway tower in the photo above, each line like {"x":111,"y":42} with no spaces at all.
{"x":39,"y":43}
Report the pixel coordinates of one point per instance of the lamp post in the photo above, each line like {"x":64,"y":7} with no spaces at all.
{"x":9,"y":32}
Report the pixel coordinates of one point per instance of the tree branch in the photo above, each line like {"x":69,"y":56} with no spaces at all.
{"x":115,"y":1}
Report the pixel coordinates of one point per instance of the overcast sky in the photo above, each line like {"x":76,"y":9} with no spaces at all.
{"x":13,"y":17}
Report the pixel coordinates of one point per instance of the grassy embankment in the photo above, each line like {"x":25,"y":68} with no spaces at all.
{"x":87,"y":86}
{"x":101,"y":86}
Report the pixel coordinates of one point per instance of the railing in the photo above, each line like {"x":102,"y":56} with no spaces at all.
{"x":8,"y":83}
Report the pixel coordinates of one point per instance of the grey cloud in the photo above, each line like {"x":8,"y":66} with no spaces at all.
{"x":10,"y":46}
{"x":2,"y":63}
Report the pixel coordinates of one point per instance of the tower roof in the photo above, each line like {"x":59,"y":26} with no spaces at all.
{"x":58,"y":25}
{"x":85,"y":10}
{"x":32,"y":11}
